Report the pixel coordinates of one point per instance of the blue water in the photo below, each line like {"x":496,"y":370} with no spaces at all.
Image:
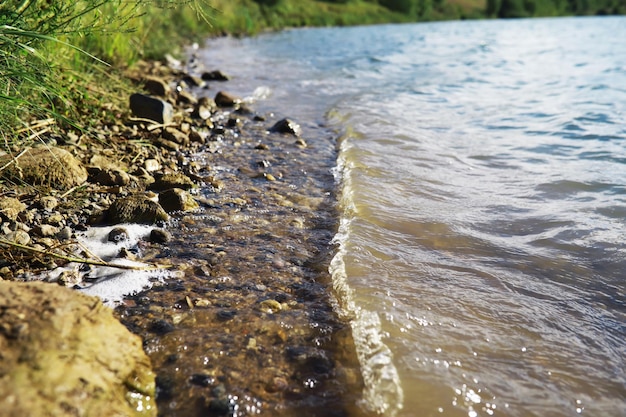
{"x":482,"y":169}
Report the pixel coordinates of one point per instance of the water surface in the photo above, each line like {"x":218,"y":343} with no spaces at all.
{"x":482,"y":168}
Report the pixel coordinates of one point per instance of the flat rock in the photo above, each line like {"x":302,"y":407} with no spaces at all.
{"x":64,"y":354}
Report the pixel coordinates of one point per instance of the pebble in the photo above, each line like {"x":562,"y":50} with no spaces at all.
{"x":270,"y":306}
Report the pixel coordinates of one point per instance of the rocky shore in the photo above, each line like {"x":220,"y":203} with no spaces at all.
{"x":242,"y":209}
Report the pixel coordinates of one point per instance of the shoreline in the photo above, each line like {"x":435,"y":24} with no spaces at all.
{"x":248,"y":322}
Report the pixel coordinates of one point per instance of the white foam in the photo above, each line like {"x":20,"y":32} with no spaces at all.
{"x":112,"y":284}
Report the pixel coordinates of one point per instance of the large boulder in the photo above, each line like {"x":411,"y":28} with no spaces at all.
{"x":62,"y":353}
{"x":45,"y":166}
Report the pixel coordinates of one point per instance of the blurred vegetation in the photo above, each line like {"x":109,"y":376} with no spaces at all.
{"x":542,"y":8}
{"x":63,"y":58}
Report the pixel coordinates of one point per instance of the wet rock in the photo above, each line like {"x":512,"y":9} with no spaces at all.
{"x":270,"y":306}
{"x":287,"y":126}
{"x":157,"y":86}
{"x":215,"y":76}
{"x":161,"y":327}
{"x":176,"y":199}
{"x":11,"y":207}
{"x":174,"y":180}
{"x":151,"y":108}
{"x":64,"y":354}
{"x":202,"y":380}
{"x":223,"y":99}
{"x":159,"y":236}
{"x":135,"y":209}
{"x":117,"y":235}
{"x":46,"y":166}
{"x":226,"y":315}
{"x":277,"y":384}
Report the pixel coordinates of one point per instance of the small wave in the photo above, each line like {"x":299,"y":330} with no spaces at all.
{"x":383,"y":392}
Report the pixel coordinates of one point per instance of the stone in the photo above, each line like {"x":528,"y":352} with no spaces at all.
{"x":65,"y":354}
{"x":167,"y":144}
{"x":270,"y":306}
{"x":193,"y":81}
{"x":214,"y":76}
{"x":48,"y":203}
{"x":109,"y":177}
{"x":55,"y":219}
{"x":185,"y":97}
{"x":117,"y":235}
{"x":159,"y":236}
{"x":176,"y":136}
{"x":151,"y":108}
{"x":151,"y":165}
{"x":176,"y":199}
{"x":11,"y":207}
{"x":46,"y":166}
{"x":287,"y":126}
{"x":19,"y":236}
{"x":135,"y":209}
{"x":174,"y":180}
{"x":223,"y":99}
{"x":157,"y":86}
{"x":202,"y":111}
{"x":46,"y":230}
{"x":65,"y":233}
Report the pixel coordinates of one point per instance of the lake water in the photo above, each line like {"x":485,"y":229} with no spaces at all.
{"x":482,"y":176}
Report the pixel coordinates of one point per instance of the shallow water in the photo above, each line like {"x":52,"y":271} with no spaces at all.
{"x":483,"y":177}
